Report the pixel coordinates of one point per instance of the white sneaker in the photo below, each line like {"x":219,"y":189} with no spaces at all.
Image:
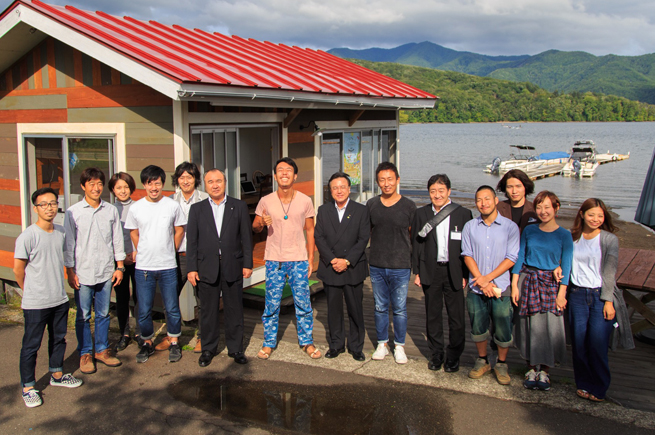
{"x":399,"y":355}
{"x":32,"y":398}
{"x":380,"y":352}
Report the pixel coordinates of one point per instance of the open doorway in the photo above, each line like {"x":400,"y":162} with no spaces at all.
{"x":246,"y":155}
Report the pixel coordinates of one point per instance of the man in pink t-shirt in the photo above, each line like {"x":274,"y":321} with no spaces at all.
{"x":287,"y":213}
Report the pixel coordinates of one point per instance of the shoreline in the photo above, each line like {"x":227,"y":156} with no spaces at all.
{"x":631,"y":234}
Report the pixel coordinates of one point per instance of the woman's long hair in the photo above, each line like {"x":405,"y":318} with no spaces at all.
{"x":578,"y":224}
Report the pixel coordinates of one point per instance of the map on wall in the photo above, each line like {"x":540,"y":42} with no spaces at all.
{"x":352,"y":157}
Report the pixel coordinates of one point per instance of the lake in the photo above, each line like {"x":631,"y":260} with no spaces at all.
{"x":463,"y":150}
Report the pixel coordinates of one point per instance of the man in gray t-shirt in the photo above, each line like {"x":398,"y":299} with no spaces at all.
{"x":39,"y":271}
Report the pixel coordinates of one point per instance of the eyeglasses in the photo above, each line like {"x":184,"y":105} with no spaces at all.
{"x":45,"y":205}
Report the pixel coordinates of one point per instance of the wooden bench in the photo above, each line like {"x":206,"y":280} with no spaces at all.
{"x":636,"y":272}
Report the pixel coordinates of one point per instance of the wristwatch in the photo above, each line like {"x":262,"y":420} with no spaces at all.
{"x":347,"y":263}
{"x":121,"y":269}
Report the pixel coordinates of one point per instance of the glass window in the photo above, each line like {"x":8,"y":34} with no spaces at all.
{"x":46,"y":168}
{"x":86,"y":153}
{"x":331,"y":160}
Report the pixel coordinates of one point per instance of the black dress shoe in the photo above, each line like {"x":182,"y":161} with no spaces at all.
{"x":239,"y":357}
{"x":358,"y":356}
{"x":333,"y":353}
{"x":205,"y":358}
{"x":435,"y":363}
{"x":451,"y":365}
{"x":123,"y":342}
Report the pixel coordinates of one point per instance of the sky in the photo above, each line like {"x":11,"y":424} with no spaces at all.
{"x":492,"y":27}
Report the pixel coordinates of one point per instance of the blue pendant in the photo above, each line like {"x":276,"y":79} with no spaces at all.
{"x":286,"y":217}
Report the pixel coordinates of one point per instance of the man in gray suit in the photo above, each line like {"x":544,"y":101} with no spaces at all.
{"x":342,"y":232}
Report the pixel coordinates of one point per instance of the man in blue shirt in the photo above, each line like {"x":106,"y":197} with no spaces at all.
{"x":490,"y":247}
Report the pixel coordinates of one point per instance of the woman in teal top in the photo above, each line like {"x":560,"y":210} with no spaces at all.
{"x":539,"y":281}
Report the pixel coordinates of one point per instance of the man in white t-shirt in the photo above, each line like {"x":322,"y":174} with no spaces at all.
{"x":39,"y":271}
{"x":156,"y":225}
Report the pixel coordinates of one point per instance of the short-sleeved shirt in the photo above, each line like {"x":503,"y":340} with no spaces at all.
{"x":286,"y":237}
{"x":44,"y":273}
{"x":585,"y":269}
{"x":490,"y":245}
{"x":155,"y":222}
{"x":391,"y":245}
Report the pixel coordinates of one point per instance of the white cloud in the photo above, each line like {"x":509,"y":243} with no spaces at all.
{"x":482,"y":26}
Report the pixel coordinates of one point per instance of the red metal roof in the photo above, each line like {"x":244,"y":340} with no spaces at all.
{"x":196,"y":56}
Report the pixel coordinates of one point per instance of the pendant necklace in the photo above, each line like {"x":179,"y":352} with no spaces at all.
{"x":286,"y":212}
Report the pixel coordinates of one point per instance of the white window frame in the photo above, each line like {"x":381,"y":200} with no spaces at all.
{"x":115,"y":131}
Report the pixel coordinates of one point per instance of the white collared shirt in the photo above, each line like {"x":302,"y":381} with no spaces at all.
{"x":219,"y":211}
{"x":185,"y":204}
{"x":341,"y":211}
{"x":441,"y":232}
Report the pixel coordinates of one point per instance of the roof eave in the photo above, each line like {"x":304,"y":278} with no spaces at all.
{"x":226,"y":96}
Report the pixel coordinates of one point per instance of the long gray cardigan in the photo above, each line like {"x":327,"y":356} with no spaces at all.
{"x":609,"y":247}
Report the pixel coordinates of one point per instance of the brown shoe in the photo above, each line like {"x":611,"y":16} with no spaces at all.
{"x":198,"y":348}
{"x":108,"y":359}
{"x":164,"y":344}
{"x":86,"y":364}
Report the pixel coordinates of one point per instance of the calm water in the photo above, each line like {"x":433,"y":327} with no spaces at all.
{"x":463,"y":150}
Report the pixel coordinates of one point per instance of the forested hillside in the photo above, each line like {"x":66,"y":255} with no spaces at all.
{"x":468,"y":98}
{"x":632,"y":77}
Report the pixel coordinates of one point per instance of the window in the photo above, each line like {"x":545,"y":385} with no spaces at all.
{"x":58,"y":162}
{"x":357,"y":153}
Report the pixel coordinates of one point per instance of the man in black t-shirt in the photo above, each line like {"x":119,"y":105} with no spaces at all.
{"x":516,"y":185}
{"x":390,"y":259}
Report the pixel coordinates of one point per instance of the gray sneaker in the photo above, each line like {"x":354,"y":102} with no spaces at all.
{"x":502,"y":373}
{"x":480,"y":369}
{"x":174,"y":353}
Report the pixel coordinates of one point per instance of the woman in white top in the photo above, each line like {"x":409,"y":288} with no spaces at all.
{"x":591,"y":297}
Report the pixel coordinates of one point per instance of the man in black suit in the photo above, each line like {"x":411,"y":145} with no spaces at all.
{"x":441,"y":272}
{"x":341,"y":235}
{"x":219,"y":256}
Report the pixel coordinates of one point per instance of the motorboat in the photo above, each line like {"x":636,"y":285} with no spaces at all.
{"x":583,"y":161}
{"x":521,"y":157}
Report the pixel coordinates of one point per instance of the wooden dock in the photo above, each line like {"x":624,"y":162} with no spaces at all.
{"x":633,"y":377}
{"x":609,"y":158}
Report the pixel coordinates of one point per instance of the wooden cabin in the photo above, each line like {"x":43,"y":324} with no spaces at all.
{"x":81,"y":88}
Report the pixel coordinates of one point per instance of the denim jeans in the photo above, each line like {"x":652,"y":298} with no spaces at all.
{"x":590,"y":334}
{"x":276,"y":278}
{"x":390,"y":286}
{"x":97,"y":297}
{"x":146,"y":286}
{"x":55,"y":319}
{"x":482,"y":309}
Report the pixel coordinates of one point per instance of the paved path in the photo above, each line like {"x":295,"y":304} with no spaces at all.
{"x":160,"y":397}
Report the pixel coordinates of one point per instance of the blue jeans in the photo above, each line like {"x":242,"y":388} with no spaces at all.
{"x":96,"y":296}
{"x":36,"y":321}
{"x":482,"y":309}
{"x":276,"y":278}
{"x":146,"y":286}
{"x":390,"y":285}
{"x":590,"y":334}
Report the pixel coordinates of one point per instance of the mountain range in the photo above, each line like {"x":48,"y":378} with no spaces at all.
{"x":632,"y":77}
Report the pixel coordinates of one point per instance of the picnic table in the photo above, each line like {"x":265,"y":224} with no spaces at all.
{"x":636,"y":273}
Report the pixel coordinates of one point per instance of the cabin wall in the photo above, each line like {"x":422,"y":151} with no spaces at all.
{"x":56,"y":85}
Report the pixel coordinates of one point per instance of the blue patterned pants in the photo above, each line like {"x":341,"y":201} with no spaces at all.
{"x":276,"y":277}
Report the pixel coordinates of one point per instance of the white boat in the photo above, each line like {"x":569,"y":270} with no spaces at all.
{"x":583,"y":161}
{"x":521,"y":157}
